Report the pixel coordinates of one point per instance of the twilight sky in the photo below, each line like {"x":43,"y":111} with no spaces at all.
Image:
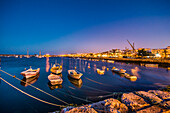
{"x":70,"y":26}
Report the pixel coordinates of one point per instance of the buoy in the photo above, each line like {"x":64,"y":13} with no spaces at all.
{"x":107,"y":69}
{"x":75,"y":67}
{"x":14,"y":76}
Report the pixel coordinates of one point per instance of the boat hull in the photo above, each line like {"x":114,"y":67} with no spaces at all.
{"x":55,"y":79}
{"x":28,"y":74}
{"x":119,"y":71}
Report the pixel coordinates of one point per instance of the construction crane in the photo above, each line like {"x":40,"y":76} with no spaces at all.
{"x":133,"y":46}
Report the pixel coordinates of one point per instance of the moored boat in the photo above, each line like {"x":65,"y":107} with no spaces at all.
{"x":74,"y":74}
{"x":30,"y":72}
{"x":110,"y":61}
{"x":101,"y":72}
{"x":55,"y":79}
{"x":118,"y":70}
{"x":56,"y":69}
{"x":131,"y":77}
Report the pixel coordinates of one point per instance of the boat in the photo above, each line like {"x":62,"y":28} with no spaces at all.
{"x":131,"y":77}
{"x":55,"y":79}
{"x":101,"y":72}
{"x":110,"y":61}
{"x":28,"y":81}
{"x":151,"y":65}
{"x":77,"y":83}
{"x":74,"y":74}
{"x":56,"y":69}
{"x":118,"y":70}
{"x":30,"y":72}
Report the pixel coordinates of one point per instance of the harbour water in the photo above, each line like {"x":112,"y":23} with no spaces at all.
{"x":90,"y":87}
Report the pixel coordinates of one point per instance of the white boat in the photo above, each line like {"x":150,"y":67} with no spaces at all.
{"x":131,"y":77}
{"x":55,"y":79}
{"x":30,"y":72}
{"x":118,"y":70}
{"x":101,"y":72}
{"x":56,"y":69}
{"x":74,"y":74}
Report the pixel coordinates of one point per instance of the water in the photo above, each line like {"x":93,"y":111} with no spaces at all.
{"x":89,"y":87}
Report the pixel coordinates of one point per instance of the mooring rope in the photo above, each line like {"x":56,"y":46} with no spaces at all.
{"x":75,"y":97}
{"x":97,"y":89}
{"x":35,"y":87}
{"x":31,"y":95}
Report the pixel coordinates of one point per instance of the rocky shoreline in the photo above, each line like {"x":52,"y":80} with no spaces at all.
{"x":152,"y":101}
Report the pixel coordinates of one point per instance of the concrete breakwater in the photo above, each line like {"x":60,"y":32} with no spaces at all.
{"x":152,"y":101}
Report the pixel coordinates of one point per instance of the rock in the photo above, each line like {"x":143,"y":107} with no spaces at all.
{"x":109,"y":106}
{"x":166,"y":104}
{"x":99,"y":106}
{"x":150,"y":97}
{"x":64,"y":110}
{"x":133,"y":101}
{"x":153,"y":109}
{"x":81,"y":109}
{"x":161,"y":94}
{"x":115,"y":106}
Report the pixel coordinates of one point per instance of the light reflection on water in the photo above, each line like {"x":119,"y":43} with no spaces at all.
{"x":91,"y":84}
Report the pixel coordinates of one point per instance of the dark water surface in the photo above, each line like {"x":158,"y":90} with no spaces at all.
{"x":90,"y":86}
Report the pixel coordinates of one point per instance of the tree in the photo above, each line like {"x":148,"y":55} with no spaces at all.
{"x":144,"y":53}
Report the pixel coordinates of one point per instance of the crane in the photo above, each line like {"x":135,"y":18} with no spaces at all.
{"x":133,"y":46}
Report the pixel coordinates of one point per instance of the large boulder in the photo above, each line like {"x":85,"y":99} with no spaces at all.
{"x":115,"y":106}
{"x":109,"y":106}
{"x":161,"y":94}
{"x":81,"y":109}
{"x":153,"y":109}
{"x":166,"y":104}
{"x":133,"y":101}
{"x":150,"y":97}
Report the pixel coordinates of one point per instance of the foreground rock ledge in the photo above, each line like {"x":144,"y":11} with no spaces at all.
{"x":141,"y":102}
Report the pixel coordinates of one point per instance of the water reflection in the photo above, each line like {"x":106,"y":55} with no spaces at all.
{"x":52,"y":87}
{"x":76,"y":83}
{"x":135,"y":72}
{"x":27,"y":81}
{"x":47,"y":64}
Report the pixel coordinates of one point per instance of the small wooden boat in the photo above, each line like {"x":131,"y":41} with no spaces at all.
{"x":131,"y":77}
{"x":118,"y":70}
{"x":27,"y":81}
{"x":56,"y":69}
{"x":74,"y":74}
{"x":55,"y":79}
{"x":30,"y":72}
{"x":101,"y":72}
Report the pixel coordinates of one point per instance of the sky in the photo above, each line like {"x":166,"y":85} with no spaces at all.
{"x":81,"y":26}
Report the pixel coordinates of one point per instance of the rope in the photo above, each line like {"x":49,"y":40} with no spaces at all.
{"x":97,"y":89}
{"x":75,"y":96}
{"x":35,"y":87}
{"x":31,"y":95}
